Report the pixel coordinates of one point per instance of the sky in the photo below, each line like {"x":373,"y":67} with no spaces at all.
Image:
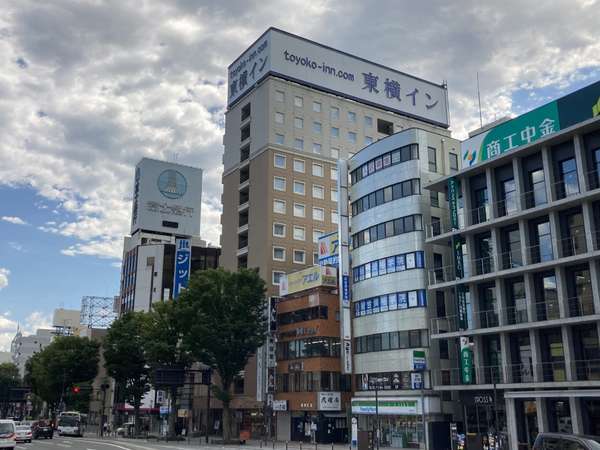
{"x":89,"y":87}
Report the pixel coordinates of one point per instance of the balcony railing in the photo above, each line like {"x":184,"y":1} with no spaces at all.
{"x":480,"y":214}
{"x":554,"y":371}
{"x":593,"y":180}
{"x":547,"y":310}
{"x":483,"y":265}
{"x":536,"y":197}
{"x":566,"y":187}
{"x":587,"y":370}
{"x":540,"y":253}
{"x":488,"y":319}
{"x":510,"y":260}
{"x":572,"y":245}
{"x":518,"y":313}
{"x":582,"y":305}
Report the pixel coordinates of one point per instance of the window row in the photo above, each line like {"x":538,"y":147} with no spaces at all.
{"x":299,"y":165}
{"x":387,"y":194}
{"x":391,"y":264}
{"x":402,"y":225}
{"x":313,"y":382}
{"x":317,"y":147}
{"x":299,"y":187}
{"x":317,"y":128}
{"x":299,"y":232}
{"x":400,"y":155}
{"x":393,"y":340}
{"x":302,"y":315}
{"x":299,"y":210}
{"x":313,"y":347}
{"x":390,"y":302}
{"x":299,"y":256}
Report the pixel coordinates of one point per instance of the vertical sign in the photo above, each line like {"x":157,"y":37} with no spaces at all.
{"x":463,"y":318}
{"x":453,"y":188}
{"x":419,"y":361}
{"x":183,"y":265}
{"x":344,"y":267}
{"x":466,"y":361}
{"x":457,"y":244}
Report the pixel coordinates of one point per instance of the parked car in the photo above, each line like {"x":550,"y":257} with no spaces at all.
{"x":8,"y":434}
{"x":42,"y":430}
{"x":565,"y":441}
{"x":23,"y":433}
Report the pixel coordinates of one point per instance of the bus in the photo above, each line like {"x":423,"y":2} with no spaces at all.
{"x":71,"y":423}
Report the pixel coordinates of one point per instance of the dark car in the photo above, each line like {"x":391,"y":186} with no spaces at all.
{"x":42,"y":430}
{"x":564,"y":441}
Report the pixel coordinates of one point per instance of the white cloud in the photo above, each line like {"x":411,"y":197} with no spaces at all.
{"x":16,"y":246}
{"x":4,"y":273}
{"x":8,"y":327}
{"x":14,"y":220}
{"x":88,"y":88}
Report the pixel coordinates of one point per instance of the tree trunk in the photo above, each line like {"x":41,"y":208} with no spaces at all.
{"x":173,"y":412}
{"x":136,"y":415}
{"x":226,"y":422}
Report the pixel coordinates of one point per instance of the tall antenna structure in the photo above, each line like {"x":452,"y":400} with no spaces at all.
{"x":97,"y":312}
{"x":479,"y":100}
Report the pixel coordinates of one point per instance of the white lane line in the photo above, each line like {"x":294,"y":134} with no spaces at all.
{"x":115,"y":445}
{"x":90,"y":449}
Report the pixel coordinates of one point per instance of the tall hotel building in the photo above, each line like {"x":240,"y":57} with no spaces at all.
{"x":296,"y":107}
{"x":523,"y":278}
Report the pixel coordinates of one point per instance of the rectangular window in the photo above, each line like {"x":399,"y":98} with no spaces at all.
{"x":279,"y":118}
{"x":318,"y":191}
{"x":299,"y":233}
{"x":368,"y":121}
{"x":278,"y":254}
{"x":298,"y":102}
{"x":334,"y":174}
{"x":245,"y":133}
{"x":318,"y":214}
{"x":299,"y":187}
{"x":317,"y":149}
{"x":279,"y":161}
{"x":432,"y":158}
{"x":279,"y":183}
{"x":385,"y":127}
{"x":277,"y":277}
{"x":245,"y":112}
{"x":334,"y":113}
{"x":352,"y":137}
{"x":335,"y":132}
{"x":299,"y":256}
{"x":279,"y":96}
{"x":435,"y":201}
{"x":279,"y":139}
{"x":299,"y":165}
{"x":316,"y":235}
{"x":298,"y":122}
{"x":315,"y":259}
{"x":453,"y":158}
{"x":316,"y":107}
{"x":334,"y":217}
{"x":279,"y":206}
{"x":317,"y":127}
{"x":299,"y":210}
{"x":352,"y":116}
{"x":335,"y":153}
{"x":279,"y":230}
{"x":317,"y":170}
{"x":298,"y":144}
{"x":334,"y":195}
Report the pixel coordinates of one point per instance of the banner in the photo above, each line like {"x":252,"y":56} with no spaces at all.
{"x":308,"y":278}
{"x":183,"y":265}
{"x":419,"y":362}
{"x":466,"y":361}
{"x":459,"y":268}
{"x":453,"y":194}
{"x":558,"y":115}
{"x":386,"y":407}
{"x":329,"y":249}
{"x":462,"y":308}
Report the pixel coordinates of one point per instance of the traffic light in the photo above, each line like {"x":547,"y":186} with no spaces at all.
{"x":76,"y":389}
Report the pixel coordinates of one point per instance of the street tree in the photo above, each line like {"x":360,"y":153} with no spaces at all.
{"x":125,"y":359}
{"x":9,"y":378}
{"x":225,"y":313}
{"x":67,"y":362}
{"x":164,"y":328}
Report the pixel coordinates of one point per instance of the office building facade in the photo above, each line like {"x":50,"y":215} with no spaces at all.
{"x":521,"y":285}
{"x":291,"y":116}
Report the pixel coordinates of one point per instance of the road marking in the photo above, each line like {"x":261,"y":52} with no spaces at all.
{"x":63,"y":445}
{"x":115,"y":445}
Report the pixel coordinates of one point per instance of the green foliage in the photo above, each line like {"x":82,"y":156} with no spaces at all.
{"x":67,"y":361}
{"x":9,"y":375}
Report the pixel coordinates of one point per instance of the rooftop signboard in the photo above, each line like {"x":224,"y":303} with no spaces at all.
{"x":308,"y":278}
{"x":301,"y":60}
{"x":536,"y":124}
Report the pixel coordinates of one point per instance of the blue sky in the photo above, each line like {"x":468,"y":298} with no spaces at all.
{"x":88,"y":88}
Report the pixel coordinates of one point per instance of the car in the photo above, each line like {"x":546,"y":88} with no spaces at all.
{"x":566,"y":441}
{"x":23,"y":433}
{"x":42,"y":430}
{"x":8,"y":434}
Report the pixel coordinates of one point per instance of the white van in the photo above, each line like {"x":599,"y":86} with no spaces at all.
{"x":8,"y":434}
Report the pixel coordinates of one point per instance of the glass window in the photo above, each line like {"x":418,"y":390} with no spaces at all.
{"x":537,"y":196}
{"x":509,"y":197}
{"x":352,"y":137}
{"x":298,"y":122}
{"x":279,"y":161}
{"x":435,"y":201}
{"x":351,"y":116}
{"x":299,"y":256}
{"x":334,"y":174}
{"x":277,"y":277}
{"x":299,"y":187}
{"x":299,"y":165}
{"x":278,"y":254}
{"x":279,"y":206}
{"x":315,"y":259}
{"x":318,"y":214}
{"x":432,"y":155}
{"x":317,"y":149}
{"x":298,"y":144}
{"x":298,"y":102}
{"x":368,"y":121}
{"x":279,"y":183}
{"x":279,"y":96}
{"x":316,"y":235}
{"x":299,"y":233}
{"x":335,"y":132}
{"x":334,"y":217}
{"x":318,"y":191}
{"x":568,"y":172}
{"x":317,"y":127}
{"x":279,"y":230}
{"x":317,"y":170}
{"x":279,"y":139}
{"x":279,"y":118}
{"x":316,"y":107}
{"x":334,"y":113}
{"x":335,"y":153}
{"x":334,"y":195}
{"x":453,"y":158}
{"x":299,"y":210}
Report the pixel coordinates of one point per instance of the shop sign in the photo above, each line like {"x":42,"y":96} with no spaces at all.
{"x":529,"y":127}
{"x":280,"y":405}
{"x":466,"y":361}
{"x":183,"y":264}
{"x":163,"y":410}
{"x":329,"y":245}
{"x":453,"y":189}
{"x":386,"y":407}
{"x":308,"y":278}
{"x":329,"y":401}
{"x":416,"y":380}
{"x":484,"y":399}
{"x":463,"y":316}
{"x":297,"y":366}
{"x":302,"y":331}
{"x":419,"y":362}
{"x":457,"y":244}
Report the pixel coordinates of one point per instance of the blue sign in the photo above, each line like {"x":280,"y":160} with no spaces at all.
{"x":172,"y":184}
{"x":346,"y":290}
{"x":183,"y":264}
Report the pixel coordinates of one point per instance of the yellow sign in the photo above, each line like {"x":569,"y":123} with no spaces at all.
{"x":309,"y":278}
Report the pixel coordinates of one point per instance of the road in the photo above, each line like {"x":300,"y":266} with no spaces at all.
{"x":68,"y":443}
